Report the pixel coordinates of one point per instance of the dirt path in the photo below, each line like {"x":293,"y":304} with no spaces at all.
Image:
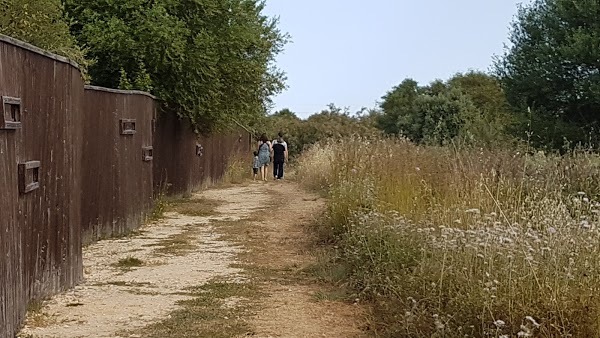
{"x":229,"y":262}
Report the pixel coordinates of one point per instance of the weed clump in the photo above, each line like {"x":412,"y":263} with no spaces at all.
{"x":128,"y":263}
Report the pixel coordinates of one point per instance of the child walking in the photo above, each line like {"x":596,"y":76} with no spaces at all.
{"x":255,"y":164}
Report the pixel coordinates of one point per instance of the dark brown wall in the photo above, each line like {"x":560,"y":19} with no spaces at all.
{"x":93,"y":182}
{"x":117,"y":182}
{"x":177,"y":167}
{"x":40,"y":231}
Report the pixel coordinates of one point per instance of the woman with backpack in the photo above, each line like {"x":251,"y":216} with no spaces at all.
{"x":264,"y":155}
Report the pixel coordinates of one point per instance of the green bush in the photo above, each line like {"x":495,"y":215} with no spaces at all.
{"x":41,"y":23}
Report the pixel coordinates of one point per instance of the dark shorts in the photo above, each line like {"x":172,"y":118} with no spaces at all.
{"x":255,"y":170}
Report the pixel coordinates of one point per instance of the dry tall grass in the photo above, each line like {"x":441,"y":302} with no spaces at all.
{"x":454,"y":243}
{"x":239,"y":167}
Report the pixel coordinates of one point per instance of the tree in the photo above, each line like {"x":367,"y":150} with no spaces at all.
{"x":286,"y":113}
{"x":210,"y":61}
{"x":399,"y":102}
{"x":431,"y":114}
{"x":468,"y":106}
{"x":331,"y":123}
{"x":437,"y":119}
{"x":494,"y":121}
{"x":41,"y":23}
{"x":553,"y":68}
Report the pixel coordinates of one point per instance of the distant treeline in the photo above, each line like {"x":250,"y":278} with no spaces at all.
{"x":544,"y":91}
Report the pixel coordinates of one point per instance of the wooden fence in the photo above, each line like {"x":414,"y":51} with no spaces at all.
{"x":175,"y":172}
{"x":80,"y":163}
{"x":117,"y":163}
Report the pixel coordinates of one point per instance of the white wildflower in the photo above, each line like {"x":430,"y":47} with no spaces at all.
{"x":525,"y":332}
{"x":499,"y":323}
{"x":473,"y":211}
{"x":533,"y":321}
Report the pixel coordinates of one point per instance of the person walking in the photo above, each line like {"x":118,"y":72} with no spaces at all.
{"x":280,"y":156}
{"x":255,"y":165}
{"x":264,"y":155}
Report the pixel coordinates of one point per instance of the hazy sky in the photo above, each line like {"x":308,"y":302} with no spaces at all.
{"x":351,"y":52}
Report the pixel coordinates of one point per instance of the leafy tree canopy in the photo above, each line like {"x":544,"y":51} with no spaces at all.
{"x":471,"y":106}
{"x":552,"y":67}
{"x":41,"y":23}
{"x":209,"y":60}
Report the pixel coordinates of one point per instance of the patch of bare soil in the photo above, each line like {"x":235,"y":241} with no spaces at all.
{"x":255,"y":235}
{"x":284,"y":249}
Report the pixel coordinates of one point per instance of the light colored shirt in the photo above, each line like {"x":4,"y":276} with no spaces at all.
{"x":282,"y":142}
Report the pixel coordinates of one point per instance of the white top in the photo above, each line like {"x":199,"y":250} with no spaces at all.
{"x":277,"y":142}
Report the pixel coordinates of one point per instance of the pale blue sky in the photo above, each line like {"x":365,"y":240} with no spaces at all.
{"x":351,"y":52}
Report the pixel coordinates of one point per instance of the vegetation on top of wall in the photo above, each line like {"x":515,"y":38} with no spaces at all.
{"x":41,"y":23}
{"x":210,"y":61}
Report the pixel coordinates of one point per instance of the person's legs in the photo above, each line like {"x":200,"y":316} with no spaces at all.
{"x":278,"y":170}
{"x":280,"y":173}
{"x":275,"y":165}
